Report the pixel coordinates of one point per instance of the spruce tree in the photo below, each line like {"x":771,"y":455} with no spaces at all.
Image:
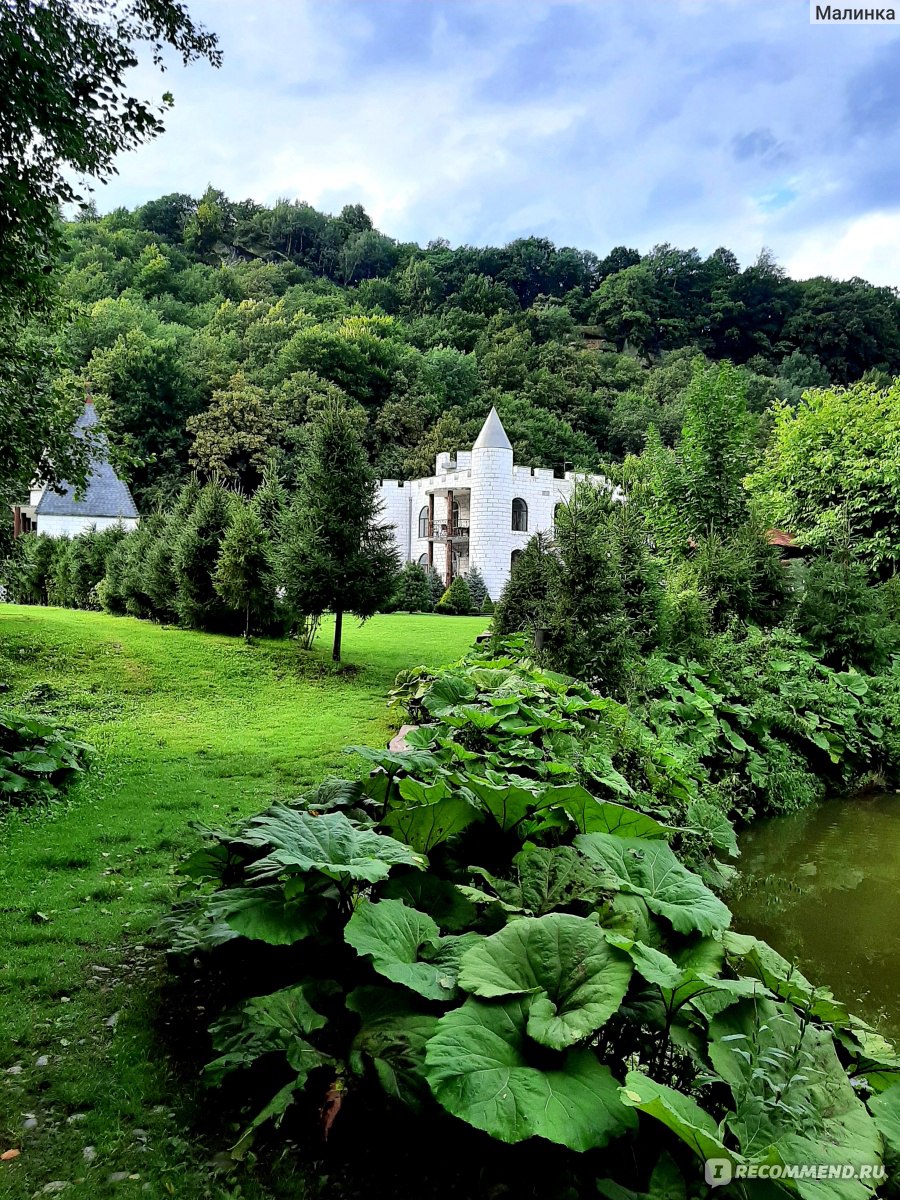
{"x":135,"y":577}
{"x":456,"y":600}
{"x":435,"y":584}
{"x":477,"y":587}
{"x":413,"y":593}
{"x":161,"y":584}
{"x":524,"y":601}
{"x":243,"y":576}
{"x":270,"y":501}
{"x":333,"y":553}
{"x":197,"y":550}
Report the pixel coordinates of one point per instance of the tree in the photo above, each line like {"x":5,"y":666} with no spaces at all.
{"x":843,"y":617}
{"x":525,"y":600}
{"x":243,"y":575}
{"x":477,"y":587}
{"x":831,"y":473}
{"x":197,"y":550}
{"x":334,"y":554}
{"x":161,"y":583}
{"x":67,"y":114}
{"x":413,"y":592}
{"x":456,"y":600}
{"x":714,"y":454}
{"x":234,"y":436}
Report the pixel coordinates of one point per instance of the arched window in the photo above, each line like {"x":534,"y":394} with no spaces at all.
{"x":514,"y":558}
{"x":519,"y":516}
{"x":423,"y":560}
{"x":423,"y":522}
{"x":455,"y":515}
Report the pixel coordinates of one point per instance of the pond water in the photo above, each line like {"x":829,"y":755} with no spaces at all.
{"x":823,"y":887}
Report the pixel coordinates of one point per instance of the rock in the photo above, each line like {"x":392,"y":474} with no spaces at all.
{"x":89,"y":1154}
{"x":53,"y":1188}
{"x":15,"y":1070}
{"x":30,"y":1123}
{"x":112,"y":1022}
{"x":43,"y":1061}
{"x":398,"y":742}
{"x":75,"y":1118}
{"x":118,"y":1177}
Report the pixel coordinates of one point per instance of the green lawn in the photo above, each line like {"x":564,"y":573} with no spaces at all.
{"x":187,"y":727}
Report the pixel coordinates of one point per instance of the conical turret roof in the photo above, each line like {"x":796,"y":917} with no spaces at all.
{"x":493,"y":435}
{"x":105,"y":495}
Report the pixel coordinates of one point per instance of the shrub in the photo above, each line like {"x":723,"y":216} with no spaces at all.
{"x":456,"y":600}
{"x":479,"y":917}
{"x":413,"y":590}
{"x":843,"y":617}
{"x":38,"y":758}
{"x":243,"y":575}
{"x":487,"y":605}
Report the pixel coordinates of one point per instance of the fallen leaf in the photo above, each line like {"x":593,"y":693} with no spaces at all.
{"x":9,"y":1154}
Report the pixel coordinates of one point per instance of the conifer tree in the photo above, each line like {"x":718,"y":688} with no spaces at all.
{"x":456,"y":600}
{"x":333,"y":552}
{"x":243,"y":576}
{"x":138,"y":601}
{"x":413,"y":592}
{"x":161,"y":583}
{"x":477,"y":587}
{"x":435,"y":584}
{"x":197,"y":551}
{"x":270,"y":501}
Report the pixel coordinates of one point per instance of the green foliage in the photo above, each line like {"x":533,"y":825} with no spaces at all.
{"x":243,"y":574}
{"x":196,"y":557}
{"x":456,"y":600}
{"x":487,"y":605}
{"x":477,"y":588}
{"x":714,"y":451}
{"x":38,"y":759}
{"x":843,"y":617}
{"x":830,"y":472}
{"x":524,"y":601}
{"x":332,"y":551}
{"x":499,"y":924}
{"x":413,"y":590}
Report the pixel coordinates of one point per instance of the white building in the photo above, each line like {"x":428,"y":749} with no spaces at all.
{"x":478,"y":510}
{"x":105,"y":500}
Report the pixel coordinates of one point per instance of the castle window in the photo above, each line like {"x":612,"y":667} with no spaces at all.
{"x":423,"y":560}
{"x":455,"y":515}
{"x":519,"y":516}
{"x":423,"y":522}
{"x":514,"y":558}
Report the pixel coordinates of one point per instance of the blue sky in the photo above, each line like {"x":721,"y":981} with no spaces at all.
{"x":597,"y":123}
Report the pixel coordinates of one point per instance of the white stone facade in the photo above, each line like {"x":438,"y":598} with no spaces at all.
{"x":70,"y":526}
{"x":484,"y":483}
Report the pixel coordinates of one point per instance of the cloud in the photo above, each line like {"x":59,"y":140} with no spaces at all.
{"x":697,"y":122}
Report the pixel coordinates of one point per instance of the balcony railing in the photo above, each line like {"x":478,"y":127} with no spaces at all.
{"x":439,"y":531}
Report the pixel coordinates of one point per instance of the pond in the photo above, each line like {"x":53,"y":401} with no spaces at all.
{"x":823,"y":887}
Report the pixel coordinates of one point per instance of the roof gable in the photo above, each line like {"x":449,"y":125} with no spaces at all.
{"x":105,"y":495}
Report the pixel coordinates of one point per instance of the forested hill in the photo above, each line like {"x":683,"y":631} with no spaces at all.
{"x":205,"y":327}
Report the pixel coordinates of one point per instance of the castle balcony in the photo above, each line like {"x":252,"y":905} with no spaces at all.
{"x":440,"y":532}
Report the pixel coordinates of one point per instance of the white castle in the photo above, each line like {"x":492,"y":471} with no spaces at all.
{"x":477,"y":510}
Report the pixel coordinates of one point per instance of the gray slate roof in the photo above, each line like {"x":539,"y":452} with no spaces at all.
{"x":493,"y":435}
{"x":106,"y":495}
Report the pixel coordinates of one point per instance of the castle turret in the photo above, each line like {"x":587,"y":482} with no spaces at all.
{"x":490,"y":523}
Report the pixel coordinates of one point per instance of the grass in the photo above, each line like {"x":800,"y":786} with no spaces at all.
{"x":187,"y":727}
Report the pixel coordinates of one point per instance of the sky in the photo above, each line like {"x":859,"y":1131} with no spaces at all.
{"x":598,"y":123}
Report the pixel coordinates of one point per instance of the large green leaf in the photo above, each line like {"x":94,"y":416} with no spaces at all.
{"x":406,"y":946}
{"x":329,"y":843}
{"x":885,"y":1110}
{"x":431,"y":814}
{"x":392,"y":1038}
{"x":650,"y":869}
{"x":507,"y":805}
{"x":677,"y":1112}
{"x":443,"y":901}
{"x":601,"y":816}
{"x":264,"y":914}
{"x":577,"y":979}
{"x":792,"y":1097}
{"x":549,"y":878}
{"x":278,"y":1021}
{"x":479,"y":1069}
{"x":446,"y":693}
